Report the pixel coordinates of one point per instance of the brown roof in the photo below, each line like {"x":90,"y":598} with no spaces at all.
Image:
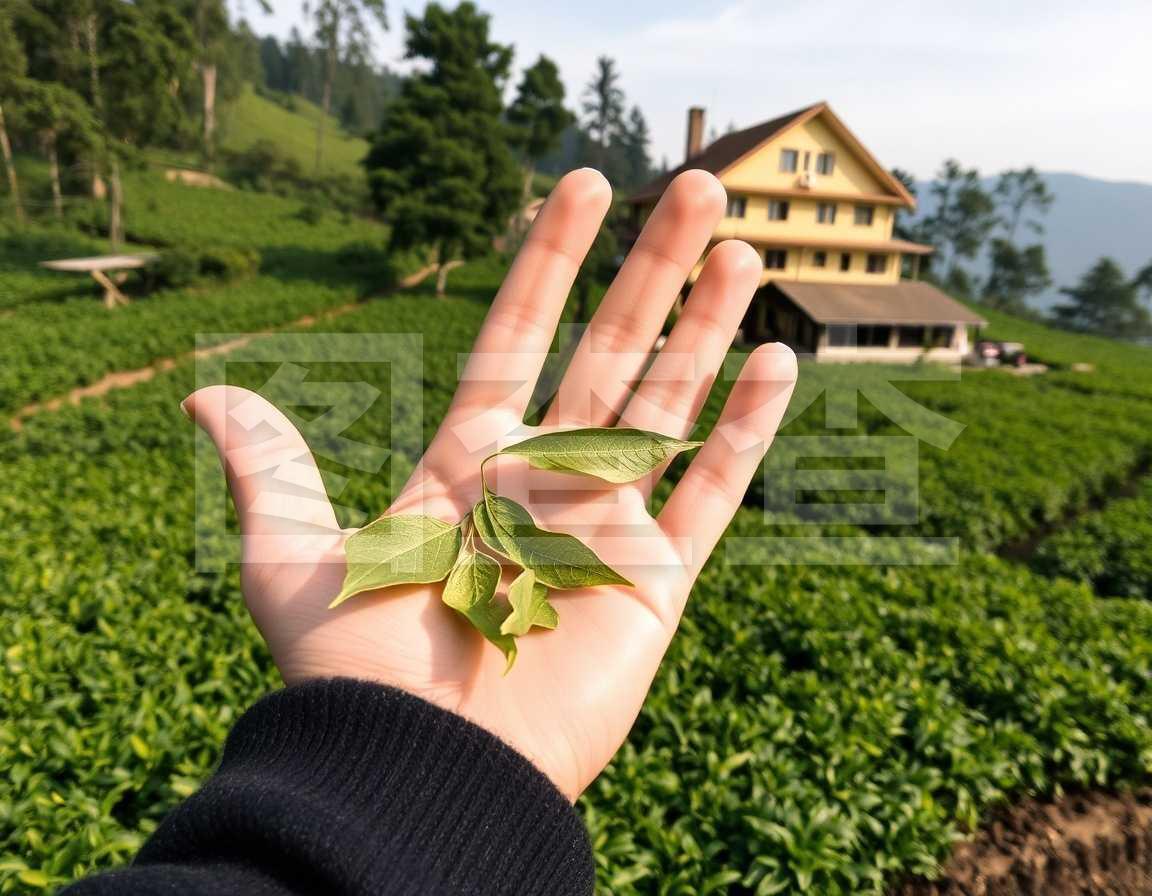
{"x":723,"y":152}
{"x":906,"y":302}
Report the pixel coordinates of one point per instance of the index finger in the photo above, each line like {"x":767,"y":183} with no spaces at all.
{"x":517,"y":333}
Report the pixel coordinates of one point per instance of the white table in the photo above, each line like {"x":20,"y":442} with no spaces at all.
{"x":107,"y":270}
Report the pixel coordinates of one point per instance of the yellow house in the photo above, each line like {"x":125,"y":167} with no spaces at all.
{"x":820,"y":208}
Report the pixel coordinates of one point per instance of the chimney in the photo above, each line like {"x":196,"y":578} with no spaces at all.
{"x":695,"y":142}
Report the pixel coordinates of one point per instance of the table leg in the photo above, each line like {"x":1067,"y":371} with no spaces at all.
{"x":112,"y":294}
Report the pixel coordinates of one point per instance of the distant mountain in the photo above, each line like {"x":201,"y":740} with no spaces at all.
{"x":1089,"y":218}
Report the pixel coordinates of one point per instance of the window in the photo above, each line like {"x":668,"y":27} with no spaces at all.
{"x":873,"y":337}
{"x":864,"y":215}
{"x":775,"y":259}
{"x":941,"y":337}
{"x":789,"y":159}
{"x":819,"y":259}
{"x":826,"y":163}
{"x":777,"y":209}
{"x":807,"y":160}
{"x":877,"y":263}
{"x":841,"y":335}
{"x":826,"y":213}
{"x":845,"y":261}
{"x":910,"y":337}
{"x":737,"y":206}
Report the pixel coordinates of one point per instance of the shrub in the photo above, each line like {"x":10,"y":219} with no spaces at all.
{"x":182,"y":267}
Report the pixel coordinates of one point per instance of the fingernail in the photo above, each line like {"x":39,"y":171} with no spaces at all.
{"x":184,"y":409}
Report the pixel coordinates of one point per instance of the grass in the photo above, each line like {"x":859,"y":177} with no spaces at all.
{"x":291,"y":125}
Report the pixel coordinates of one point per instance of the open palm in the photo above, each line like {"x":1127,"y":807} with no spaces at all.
{"x":574,"y":693}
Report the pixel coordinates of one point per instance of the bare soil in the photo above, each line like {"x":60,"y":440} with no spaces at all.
{"x":1093,"y":843}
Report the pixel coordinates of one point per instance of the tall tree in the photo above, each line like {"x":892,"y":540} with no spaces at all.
{"x":537,"y":116}
{"x":215,"y":45}
{"x":1105,"y":302}
{"x":634,"y":141}
{"x":900,"y":228}
{"x":964,"y":215}
{"x":12,"y":67}
{"x":341,"y":30}
{"x":55,"y":114}
{"x":1019,"y":193}
{"x":1143,"y":280}
{"x":1015,"y":275}
{"x":440,"y":169}
{"x":603,"y":107}
{"x":140,"y":53}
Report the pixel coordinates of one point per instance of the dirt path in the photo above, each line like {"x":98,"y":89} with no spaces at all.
{"x":1083,"y":844}
{"x":124,"y":379}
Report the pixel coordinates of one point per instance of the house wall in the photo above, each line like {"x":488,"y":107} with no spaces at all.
{"x":800,"y":265}
{"x":761,"y":170}
{"x":802,"y":222}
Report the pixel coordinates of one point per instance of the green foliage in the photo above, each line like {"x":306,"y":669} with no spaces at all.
{"x":257,"y":120}
{"x":1015,"y":275}
{"x":559,"y":560}
{"x":1105,"y":302}
{"x":828,"y":728}
{"x":603,"y":106}
{"x":471,"y":591}
{"x":399,"y":550}
{"x":614,"y":455}
{"x":440,"y":169}
{"x":180,"y":268}
{"x":537,"y":115}
{"x":964,"y":215}
{"x":1107,"y":549}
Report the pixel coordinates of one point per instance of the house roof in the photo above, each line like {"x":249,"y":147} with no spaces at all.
{"x":906,"y":302}
{"x":726,"y":151}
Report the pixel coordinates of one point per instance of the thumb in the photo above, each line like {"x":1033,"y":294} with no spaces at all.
{"x":272,"y":476}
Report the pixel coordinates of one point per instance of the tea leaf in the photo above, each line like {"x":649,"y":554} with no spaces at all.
{"x":529,"y":602}
{"x":559,"y":560}
{"x":471,"y":589}
{"x":614,"y":455}
{"x":398,"y":550}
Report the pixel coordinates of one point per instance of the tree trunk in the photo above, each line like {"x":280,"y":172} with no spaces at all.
{"x":10,"y":166}
{"x":54,"y":173}
{"x":116,"y":214}
{"x":441,"y":277}
{"x":208,"y":75}
{"x":325,"y":105}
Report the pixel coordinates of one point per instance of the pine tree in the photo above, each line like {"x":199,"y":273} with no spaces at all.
{"x":634,"y":140}
{"x":440,"y":169}
{"x":537,"y":116}
{"x":1105,"y":302}
{"x":603,"y":107}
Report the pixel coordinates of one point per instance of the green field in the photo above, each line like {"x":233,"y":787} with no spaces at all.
{"x":815,"y":728}
{"x":252,"y":117}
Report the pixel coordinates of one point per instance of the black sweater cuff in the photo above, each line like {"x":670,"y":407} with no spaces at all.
{"x":345,"y":787}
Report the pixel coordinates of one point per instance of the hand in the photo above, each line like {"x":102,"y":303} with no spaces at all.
{"x":574,"y":693}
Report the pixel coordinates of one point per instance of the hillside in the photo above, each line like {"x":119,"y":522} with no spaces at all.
{"x":292,"y":127}
{"x":1090,"y":218}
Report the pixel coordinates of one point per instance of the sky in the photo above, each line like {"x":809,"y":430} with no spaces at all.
{"x":997,"y":84}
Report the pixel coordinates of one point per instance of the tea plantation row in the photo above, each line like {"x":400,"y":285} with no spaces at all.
{"x":815,"y":729}
{"x":1110,"y":549}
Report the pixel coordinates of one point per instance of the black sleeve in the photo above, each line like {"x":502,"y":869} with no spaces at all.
{"x":345,"y":787}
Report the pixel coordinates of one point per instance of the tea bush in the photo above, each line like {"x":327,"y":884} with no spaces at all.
{"x":1109,"y":549}
{"x":813,"y":729}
